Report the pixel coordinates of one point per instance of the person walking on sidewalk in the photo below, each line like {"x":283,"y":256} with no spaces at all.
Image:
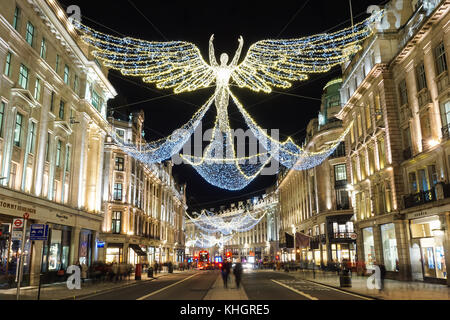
{"x":155,"y":266}
{"x":237,"y":274}
{"x":225,"y":274}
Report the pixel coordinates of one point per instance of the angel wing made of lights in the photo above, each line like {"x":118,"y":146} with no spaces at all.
{"x":268,"y":64}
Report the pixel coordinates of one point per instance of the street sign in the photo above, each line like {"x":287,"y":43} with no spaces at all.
{"x":26,"y":215}
{"x":18,"y":224}
{"x":16,"y":235}
{"x":39,"y":232}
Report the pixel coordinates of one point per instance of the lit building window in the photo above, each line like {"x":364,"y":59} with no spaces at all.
{"x":43,"y":52}
{"x":61,"y":109}
{"x":23,"y":77}
{"x":32,"y":137}
{"x":29,"y":36}
{"x":18,"y":130}
{"x":403,"y":92}
{"x":66,"y":74}
{"x":117,"y":192}
{"x":37,"y":89}
{"x":116,"y":221}
{"x":7,"y":71}
{"x":58,"y":153}
{"x":2,"y":113}
{"x":440,"y":58}
{"x":119,"y":164}
{"x":68,"y":159}
{"x":16,"y":20}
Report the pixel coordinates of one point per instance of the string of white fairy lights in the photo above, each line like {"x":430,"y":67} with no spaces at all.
{"x":268,"y":63}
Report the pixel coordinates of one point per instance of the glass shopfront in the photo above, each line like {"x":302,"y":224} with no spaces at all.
{"x":341,"y":251}
{"x":389,"y":243}
{"x":9,"y":253}
{"x":114,"y":253}
{"x":430,"y":237}
{"x":369,"y":246}
{"x":56,"y":251}
{"x":85,"y":247}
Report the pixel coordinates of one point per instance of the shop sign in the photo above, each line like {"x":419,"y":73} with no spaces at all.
{"x":353,"y":236}
{"x":16,"y":207}
{"x":100,"y":244}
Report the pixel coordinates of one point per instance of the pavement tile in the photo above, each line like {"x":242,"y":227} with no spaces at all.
{"x":218,"y":292}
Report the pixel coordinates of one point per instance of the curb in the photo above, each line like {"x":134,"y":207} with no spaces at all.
{"x":345,"y":290}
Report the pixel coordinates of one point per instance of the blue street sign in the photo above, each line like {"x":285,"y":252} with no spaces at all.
{"x":39,"y":232}
{"x":100,"y":244}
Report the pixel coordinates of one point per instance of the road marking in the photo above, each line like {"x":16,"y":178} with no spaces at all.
{"x":296,"y":291}
{"x":162,"y":289}
{"x":341,"y":291}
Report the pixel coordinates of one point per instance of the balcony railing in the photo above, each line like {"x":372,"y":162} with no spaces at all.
{"x":419,"y":198}
{"x":442,"y":82}
{"x":424,"y":97}
{"x":342,"y":235}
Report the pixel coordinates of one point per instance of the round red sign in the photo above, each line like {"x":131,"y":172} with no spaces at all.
{"x":26,"y":215}
{"x":18,"y":223}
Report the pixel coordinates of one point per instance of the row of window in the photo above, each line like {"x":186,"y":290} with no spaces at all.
{"x":30,"y":37}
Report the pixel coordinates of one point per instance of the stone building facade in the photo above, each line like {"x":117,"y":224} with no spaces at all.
{"x":52,"y":127}
{"x":314,"y":204}
{"x":144,"y":206}
{"x":259,"y":244}
{"x":396,"y":89}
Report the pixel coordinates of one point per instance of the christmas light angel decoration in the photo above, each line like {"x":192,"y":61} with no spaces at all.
{"x":268,"y":64}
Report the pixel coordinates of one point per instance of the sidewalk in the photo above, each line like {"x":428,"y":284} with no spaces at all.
{"x":393,"y":289}
{"x":59,"y":291}
{"x":218,"y":292}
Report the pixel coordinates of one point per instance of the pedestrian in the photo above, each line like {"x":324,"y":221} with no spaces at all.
{"x":382,"y":276}
{"x":225,"y":275}
{"x":237,"y":273}
{"x":84,"y":270}
{"x":115,"y":271}
{"x":156,"y":267}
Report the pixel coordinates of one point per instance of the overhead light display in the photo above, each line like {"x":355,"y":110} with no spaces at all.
{"x":268,"y":64}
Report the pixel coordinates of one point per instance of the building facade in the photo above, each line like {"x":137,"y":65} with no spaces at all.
{"x":315,"y":212}
{"x":52,"y":127}
{"x":144,"y":206}
{"x":396,"y":89}
{"x":258,"y":245}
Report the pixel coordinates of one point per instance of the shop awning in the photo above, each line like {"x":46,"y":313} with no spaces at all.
{"x":137,"y":249}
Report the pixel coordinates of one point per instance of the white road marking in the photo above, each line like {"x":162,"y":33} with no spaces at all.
{"x":296,"y":291}
{"x":162,"y":289}
{"x":341,"y":291}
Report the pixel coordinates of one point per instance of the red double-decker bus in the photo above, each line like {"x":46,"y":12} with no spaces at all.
{"x":203,"y":260}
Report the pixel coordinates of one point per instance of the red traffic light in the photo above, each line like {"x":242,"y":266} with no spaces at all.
{"x":277,"y":257}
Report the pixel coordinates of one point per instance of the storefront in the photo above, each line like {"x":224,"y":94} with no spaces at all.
{"x":114,"y":253}
{"x":137,"y":254}
{"x":86,"y":247}
{"x":343,"y":251}
{"x":389,"y":245}
{"x":427,"y":250}
{"x":9,"y":253}
{"x":56,"y":253}
{"x":368,"y":247}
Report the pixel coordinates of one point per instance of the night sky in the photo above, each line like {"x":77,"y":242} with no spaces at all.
{"x":194,"y":21}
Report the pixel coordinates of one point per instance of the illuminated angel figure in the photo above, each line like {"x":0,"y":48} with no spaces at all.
{"x":267,"y":64}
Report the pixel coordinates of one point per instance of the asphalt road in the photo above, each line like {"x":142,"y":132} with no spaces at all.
{"x":269,"y":285}
{"x":258,"y":285}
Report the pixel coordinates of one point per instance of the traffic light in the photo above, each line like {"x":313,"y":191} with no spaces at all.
{"x":228,"y":254}
{"x":277,"y":257}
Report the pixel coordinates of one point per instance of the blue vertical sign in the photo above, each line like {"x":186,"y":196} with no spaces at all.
{"x":39,"y":232}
